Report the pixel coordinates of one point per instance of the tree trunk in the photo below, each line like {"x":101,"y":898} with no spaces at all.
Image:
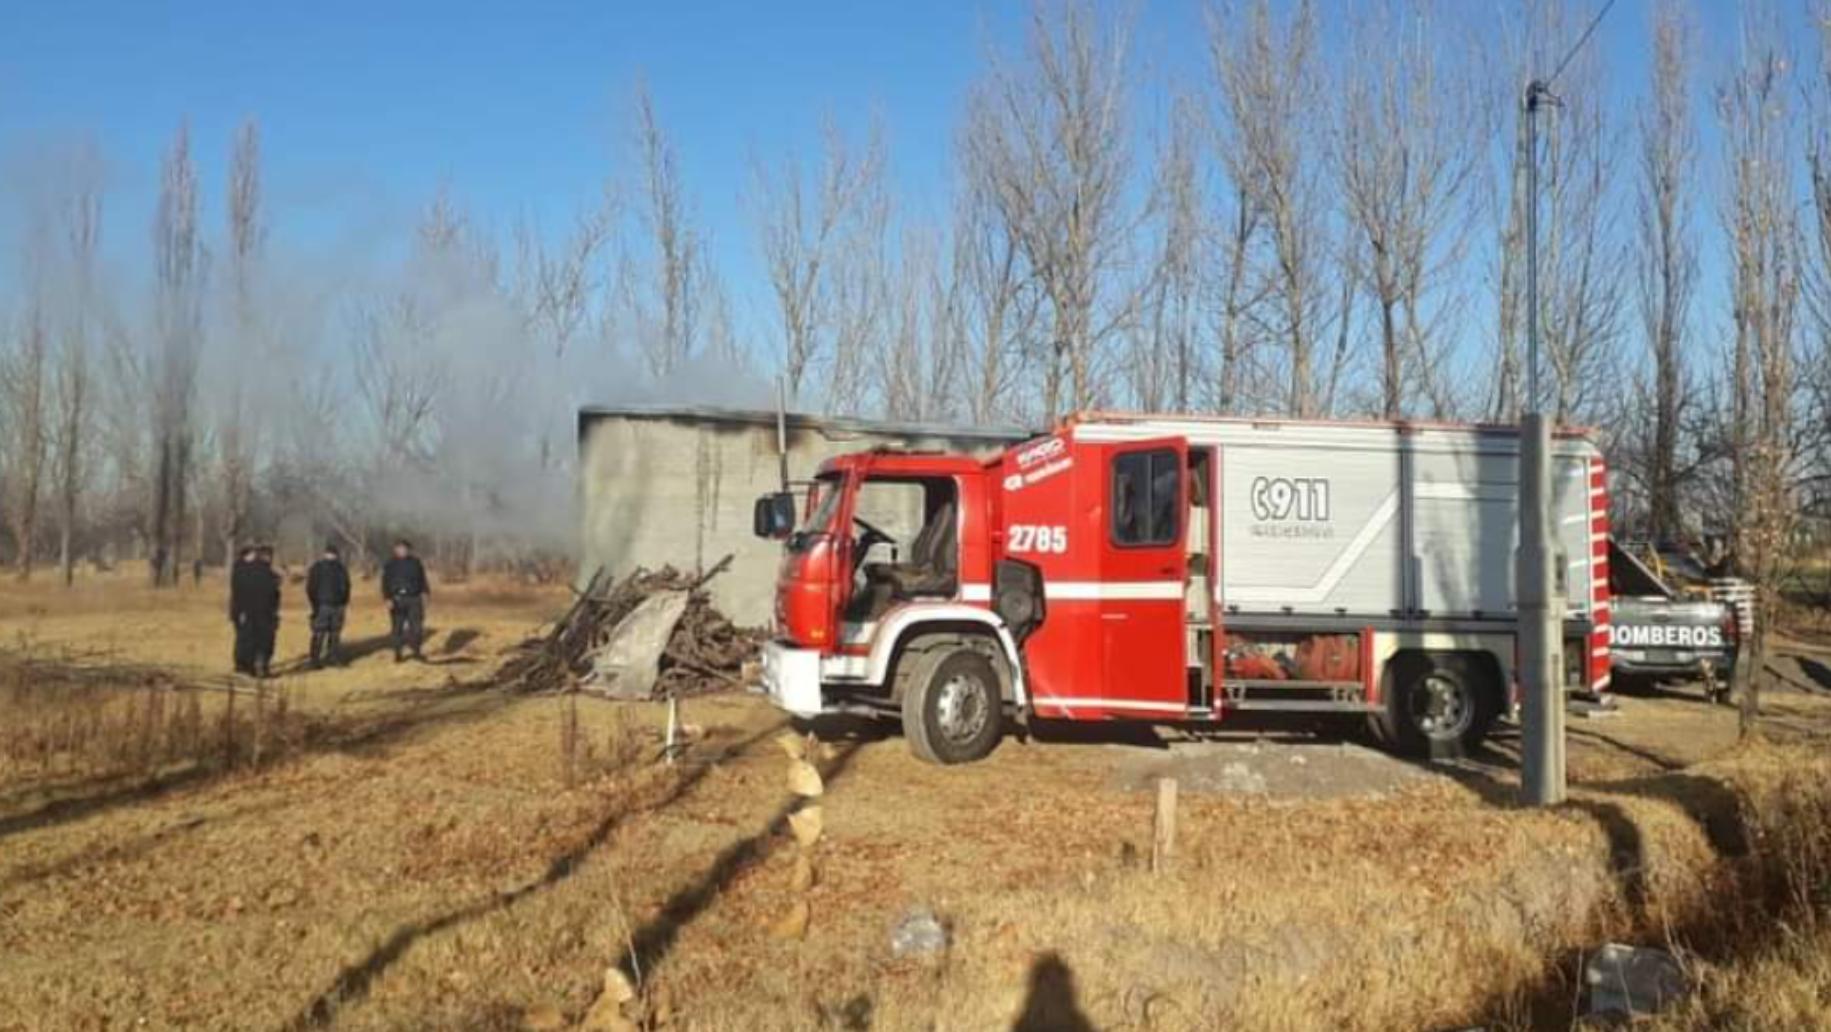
{"x":1748,"y":671}
{"x":162,"y":501}
{"x":1389,"y":358}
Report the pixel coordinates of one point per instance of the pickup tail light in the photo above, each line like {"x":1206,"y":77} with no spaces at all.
{"x":1732,"y":625}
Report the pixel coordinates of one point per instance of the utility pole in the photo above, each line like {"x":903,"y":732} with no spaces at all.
{"x":1540,"y":642}
{"x":782,"y":429}
{"x":1540,"y":636}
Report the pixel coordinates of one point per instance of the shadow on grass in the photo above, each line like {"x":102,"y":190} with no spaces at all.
{"x":1716,"y":809}
{"x":1626,"y":850}
{"x":1488,"y":772}
{"x":361,"y":648}
{"x":117,"y":851}
{"x":1717,"y":930}
{"x":1137,"y":734}
{"x":652,"y":942}
{"x":1665,"y":763}
{"x":428,"y":710}
{"x":844,"y":727}
{"x":1690,"y":691}
{"x":353,"y":982}
{"x":1713,"y":806}
{"x":1050,"y":1004}
{"x":74,"y":808}
{"x":458,"y":639}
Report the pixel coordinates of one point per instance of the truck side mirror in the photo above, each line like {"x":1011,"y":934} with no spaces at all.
{"x":773,"y":516}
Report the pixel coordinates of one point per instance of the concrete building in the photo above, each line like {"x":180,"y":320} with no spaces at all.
{"x":665,"y":485}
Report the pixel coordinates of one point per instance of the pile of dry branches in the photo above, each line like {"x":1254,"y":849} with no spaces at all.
{"x":705,"y":652}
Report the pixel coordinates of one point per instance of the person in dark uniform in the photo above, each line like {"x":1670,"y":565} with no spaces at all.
{"x":264,"y":610}
{"x":327,"y":590}
{"x":404,"y":586}
{"x":241,"y":595}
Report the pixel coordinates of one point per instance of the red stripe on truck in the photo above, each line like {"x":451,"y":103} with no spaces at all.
{"x":1596,"y":661}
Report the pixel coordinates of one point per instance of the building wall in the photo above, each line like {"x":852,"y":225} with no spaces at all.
{"x":675,"y":487}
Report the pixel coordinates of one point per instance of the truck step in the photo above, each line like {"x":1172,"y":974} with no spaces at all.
{"x":1299,"y":706}
{"x":1257,"y":685}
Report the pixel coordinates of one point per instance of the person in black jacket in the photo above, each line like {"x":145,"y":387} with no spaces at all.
{"x":261,"y":610}
{"x":241,"y":595}
{"x":404,"y":586}
{"x":327,"y":590}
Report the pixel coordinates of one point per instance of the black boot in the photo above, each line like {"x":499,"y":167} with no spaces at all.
{"x":317,"y":650}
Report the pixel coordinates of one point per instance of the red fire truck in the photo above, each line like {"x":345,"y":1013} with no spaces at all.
{"x":1175,"y":569}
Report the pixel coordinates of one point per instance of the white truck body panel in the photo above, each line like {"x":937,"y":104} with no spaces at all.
{"x":1376,"y":520}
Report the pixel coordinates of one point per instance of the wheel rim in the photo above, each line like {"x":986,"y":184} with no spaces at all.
{"x":1440,"y":706}
{"x":960,"y":708}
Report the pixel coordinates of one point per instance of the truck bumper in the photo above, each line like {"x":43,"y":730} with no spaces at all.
{"x":791,"y":678}
{"x":1667,"y":667}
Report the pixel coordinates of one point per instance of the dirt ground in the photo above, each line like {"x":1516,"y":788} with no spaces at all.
{"x":433,"y":856}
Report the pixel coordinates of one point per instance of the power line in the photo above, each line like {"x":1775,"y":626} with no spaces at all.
{"x":1587,"y":33}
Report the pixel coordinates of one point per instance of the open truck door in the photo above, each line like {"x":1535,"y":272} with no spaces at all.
{"x":1105,"y":525}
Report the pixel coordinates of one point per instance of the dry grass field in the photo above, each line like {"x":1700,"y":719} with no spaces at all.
{"x":386,"y":846}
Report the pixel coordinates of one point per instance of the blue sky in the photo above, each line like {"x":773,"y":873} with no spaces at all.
{"x":368,"y":109}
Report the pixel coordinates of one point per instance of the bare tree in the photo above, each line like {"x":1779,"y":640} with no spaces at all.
{"x":80,"y":212}
{"x":1509,"y":203}
{"x":178,"y":256}
{"x":799,"y":225}
{"x":1171,"y":367}
{"x":1667,"y":261}
{"x":236,"y":432}
{"x":1581,"y":286}
{"x":1818,"y":282}
{"x":559,"y":284}
{"x":397,"y":386}
{"x":904,"y":358}
{"x":922,"y":365}
{"x":946,"y":394}
{"x":668,"y":334}
{"x":22,"y":386}
{"x":1047,"y":142}
{"x":721,"y":343}
{"x":860,"y":274}
{"x":995,"y":305}
{"x":1235,"y":227}
{"x":1761,"y":222}
{"x":124,"y":415}
{"x":1407,"y":154}
{"x":1271,"y":101}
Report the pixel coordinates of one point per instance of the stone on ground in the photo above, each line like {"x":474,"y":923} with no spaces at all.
{"x":804,"y":780}
{"x":806,"y":825}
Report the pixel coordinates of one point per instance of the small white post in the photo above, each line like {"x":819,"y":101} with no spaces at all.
{"x":1163,"y":830}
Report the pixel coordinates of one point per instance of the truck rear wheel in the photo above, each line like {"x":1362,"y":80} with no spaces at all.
{"x":1437,"y":704}
{"x":952,"y":712}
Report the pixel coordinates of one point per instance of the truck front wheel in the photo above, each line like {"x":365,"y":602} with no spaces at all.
{"x":952,"y":712}
{"x":1436,"y":704}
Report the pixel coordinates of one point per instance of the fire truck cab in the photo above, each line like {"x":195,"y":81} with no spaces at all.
{"x":1175,"y":570}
